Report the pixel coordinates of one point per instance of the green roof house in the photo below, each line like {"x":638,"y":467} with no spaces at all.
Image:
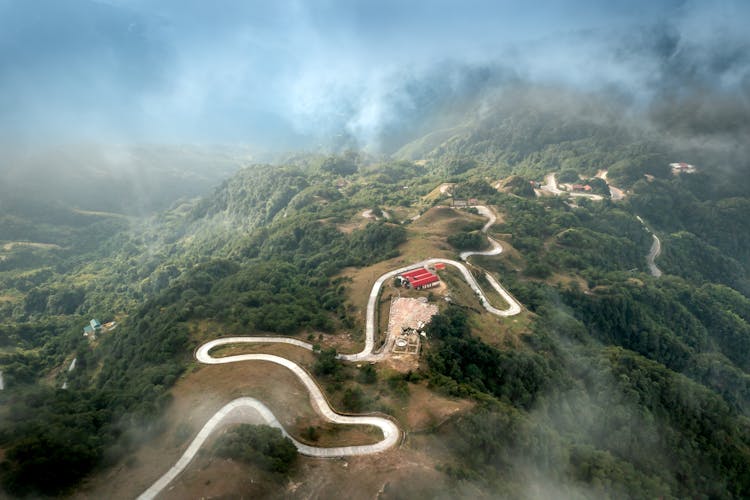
{"x":91,"y":329}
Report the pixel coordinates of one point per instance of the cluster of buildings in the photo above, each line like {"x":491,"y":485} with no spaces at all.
{"x":584,"y":188}
{"x":682,"y":168}
{"x":419,"y":279}
{"x":459,"y":203}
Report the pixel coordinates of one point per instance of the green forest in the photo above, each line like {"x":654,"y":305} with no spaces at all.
{"x":622,"y":385}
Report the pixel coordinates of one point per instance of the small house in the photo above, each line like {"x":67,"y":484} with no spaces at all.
{"x":682,"y":168}
{"x":92,"y":328}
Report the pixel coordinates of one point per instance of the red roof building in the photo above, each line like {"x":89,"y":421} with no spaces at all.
{"x":421,"y":278}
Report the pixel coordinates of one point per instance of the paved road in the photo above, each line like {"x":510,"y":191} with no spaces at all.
{"x":615,"y":193}
{"x":654,"y":252}
{"x":491,"y":219}
{"x":367,"y":353}
{"x":551,"y":184}
{"x":652,"y":255}
{"x":391,"y":432}
{"x":495,"y":250}
{"x":595,"y":197}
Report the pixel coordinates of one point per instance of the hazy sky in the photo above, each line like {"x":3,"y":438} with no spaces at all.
{"x":251,"y":71}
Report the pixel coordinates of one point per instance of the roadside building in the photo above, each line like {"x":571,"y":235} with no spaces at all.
{"x":92,"y":328}
{"x":419,"y":279}
{"x":682,"y":168}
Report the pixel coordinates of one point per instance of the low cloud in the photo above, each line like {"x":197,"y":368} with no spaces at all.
{"x":288,"y":75}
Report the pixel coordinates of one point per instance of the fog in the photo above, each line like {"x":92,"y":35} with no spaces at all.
{"x":86,"y":85}
{"x":129,"y":105}
{"x":297,"y":75}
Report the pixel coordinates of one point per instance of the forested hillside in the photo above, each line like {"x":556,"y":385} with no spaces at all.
{"x":617,"y":383}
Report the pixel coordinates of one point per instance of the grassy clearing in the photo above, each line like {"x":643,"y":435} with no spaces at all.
{"x":459,"y":291}
{"x":439,"y":192}
{"x":489,"y":291}
{"x":301,"y":416}
{"x":83,"y":279}
{"x":11,"y":296}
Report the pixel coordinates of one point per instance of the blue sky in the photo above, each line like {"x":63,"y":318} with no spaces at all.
{"x":295,"y":72}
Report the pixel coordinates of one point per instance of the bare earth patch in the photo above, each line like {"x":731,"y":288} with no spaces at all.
{"x":46,"y":246}
{"x":196,"y":397}
{"x":428,"y":409}
{"x":411,"y":469}
{"x":408,"y":316}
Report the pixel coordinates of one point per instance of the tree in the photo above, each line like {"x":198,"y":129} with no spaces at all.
{"x":260,"y":445}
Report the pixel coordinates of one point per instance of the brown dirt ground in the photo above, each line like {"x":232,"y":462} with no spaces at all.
{"x":45,"y":246}
{"x":204,"y":389}
{"x":410,"y":468}
{"x":567,"y":279}
{"x":197,"y":396}
{"x":352,"y":478}
{"x":439,"y":192}
{"x":426,"y":239}
{"x":9,"y":298}
{"x":427,"y":409}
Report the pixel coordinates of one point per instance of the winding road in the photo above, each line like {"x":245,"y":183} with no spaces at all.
{"x":551,"y":185}
{"x":496,"y":248}
{"x":652,"y":255}
{"x":391,"y":432}
{"x":654,"y":252}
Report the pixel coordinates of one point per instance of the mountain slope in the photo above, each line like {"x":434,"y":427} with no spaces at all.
{"x":611,"y":383}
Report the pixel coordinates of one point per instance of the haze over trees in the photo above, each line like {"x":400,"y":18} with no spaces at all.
{"x":612,"y":383}
{"x":262,"y":253}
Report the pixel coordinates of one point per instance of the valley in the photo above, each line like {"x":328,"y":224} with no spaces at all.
{"x":268,"y":302}
{"x":374,"y":250}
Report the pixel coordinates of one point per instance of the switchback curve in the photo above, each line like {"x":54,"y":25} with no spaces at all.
{"x":391,"y":432}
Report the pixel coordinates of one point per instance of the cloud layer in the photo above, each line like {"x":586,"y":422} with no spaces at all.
{"x":297,"y":74}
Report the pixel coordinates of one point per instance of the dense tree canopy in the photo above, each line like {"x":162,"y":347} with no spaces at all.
{"x":612,"y":383}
